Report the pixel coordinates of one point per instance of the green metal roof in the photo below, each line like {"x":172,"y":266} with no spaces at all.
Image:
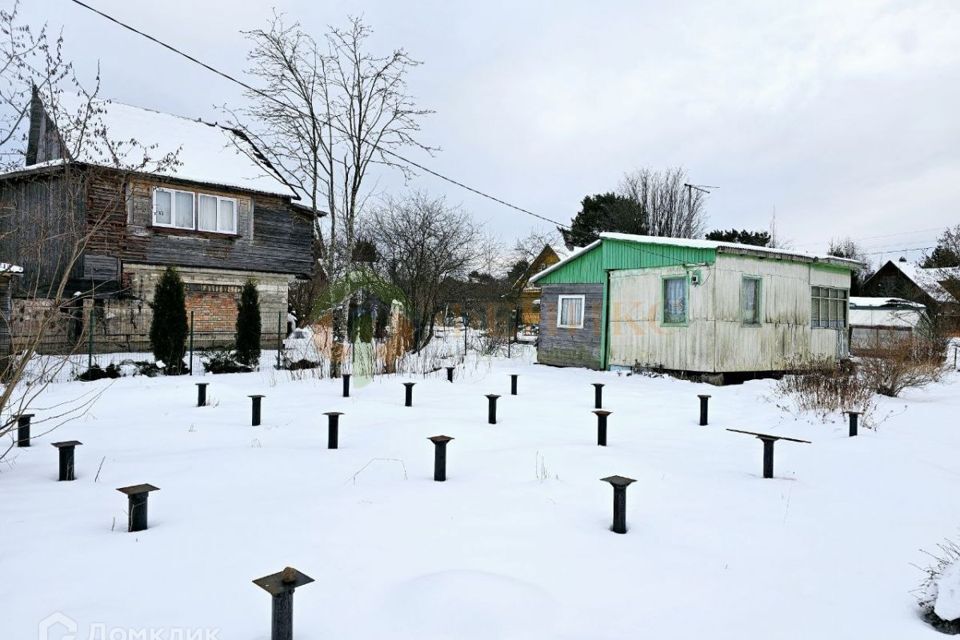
{"x":591,"y":264}
{"x":623,"y":251}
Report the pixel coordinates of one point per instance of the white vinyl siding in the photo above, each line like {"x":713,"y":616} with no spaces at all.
{"x":570,"y":312}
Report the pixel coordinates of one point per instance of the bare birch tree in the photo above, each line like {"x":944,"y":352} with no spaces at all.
{"x":326,"y":113}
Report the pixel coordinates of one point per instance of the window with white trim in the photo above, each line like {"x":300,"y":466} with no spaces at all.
{"x":216,"y":214}
{"x":570,"y":312}
{"x":829,"y":307}
{"x":189,"y":210}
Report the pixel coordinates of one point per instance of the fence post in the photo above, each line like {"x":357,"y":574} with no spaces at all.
{"x":90,"y":337}
{"x":464,"y":335}
{"x":279,"y":337}
{"x":191,"y":341}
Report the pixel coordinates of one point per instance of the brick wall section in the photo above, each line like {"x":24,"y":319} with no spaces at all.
{"x":123,"y":324}
{"x":213,"y":311}
{"x":213,"y":294}
{"x":570,"y":347}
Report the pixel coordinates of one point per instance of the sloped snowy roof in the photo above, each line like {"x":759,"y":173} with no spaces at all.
{"x":206,"y":152}
{"x":721,"y":247}
{"x":732,"y":247}
{"x":9,"y":268}
{"x":562,"y":252}
{"x":864,"y":302}
{"x":929,"y":279}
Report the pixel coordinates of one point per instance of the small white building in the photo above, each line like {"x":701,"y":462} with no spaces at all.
{"x":718,"y":309}
{"x":877,"y":323}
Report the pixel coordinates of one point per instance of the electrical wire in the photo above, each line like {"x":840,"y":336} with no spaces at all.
{"x":267,"y":96}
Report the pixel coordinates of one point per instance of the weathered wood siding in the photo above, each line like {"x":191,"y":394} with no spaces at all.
{"x":270,"y":237}
{"x":571,"y":347}
{"x":41,"y":222}
{"x":715,"y":340}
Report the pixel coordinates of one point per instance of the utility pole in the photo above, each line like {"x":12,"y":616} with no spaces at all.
{"x":702,"y":188}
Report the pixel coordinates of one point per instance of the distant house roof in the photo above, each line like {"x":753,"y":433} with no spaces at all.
{"x":719,"y":247}
{"x":559,"y":250}
{"x":206,"y":152}
{"x":884,"y":312}
{"x":8,"y":269}
{"x":929,"y":280}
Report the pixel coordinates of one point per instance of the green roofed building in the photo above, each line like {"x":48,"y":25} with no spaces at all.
{"x":693,"y":306}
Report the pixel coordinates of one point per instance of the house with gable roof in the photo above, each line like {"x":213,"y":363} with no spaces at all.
{"x":938,"y":289}
{"x":717,"y":310}
{"x":220,"y":214}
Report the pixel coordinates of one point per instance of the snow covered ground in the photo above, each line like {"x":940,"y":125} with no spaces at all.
{"x":516,"y":544}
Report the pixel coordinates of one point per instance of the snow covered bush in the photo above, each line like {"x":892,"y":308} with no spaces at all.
{"x":825,"y":390}
{"x":223,"y":361}
{"x":168,"y":329}
{"x":939,"y":593}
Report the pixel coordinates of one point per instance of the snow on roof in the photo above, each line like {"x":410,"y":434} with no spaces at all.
{"x":563,"y":252}
{"x":864,"y":302}
{"x":9,"y":268}
{"x":208,"y":153}
{"x":929,"y":279}
{"x":732,"y":247}
{"x":722,"y":247}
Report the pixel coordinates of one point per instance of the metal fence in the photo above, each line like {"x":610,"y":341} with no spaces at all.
{"x":90,"y":334}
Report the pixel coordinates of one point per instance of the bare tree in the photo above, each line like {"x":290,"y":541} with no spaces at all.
{"x":43,"y":228}
{"x":848,"y":248}
{"x":326,"y":113}
{"x":423,"y":244}
{"x":529,"y":247}
{"x":670,"y":208}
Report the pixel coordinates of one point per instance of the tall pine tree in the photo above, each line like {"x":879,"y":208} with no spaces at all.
{"x":248,"y":325}
{"x":168,"y":329}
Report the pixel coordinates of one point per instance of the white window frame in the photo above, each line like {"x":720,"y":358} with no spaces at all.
{"x":583,"y":310}
{"x":236,"y":214}
{"x":173,"y":208}
{"x":196,"y":211}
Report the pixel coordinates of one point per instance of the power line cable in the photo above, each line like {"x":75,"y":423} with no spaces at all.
{"x":263,"y":94}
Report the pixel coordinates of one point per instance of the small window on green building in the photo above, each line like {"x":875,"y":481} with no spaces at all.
{"x":570,"y":312}
{"x":750,"y":301}
{"x":675,"y":300}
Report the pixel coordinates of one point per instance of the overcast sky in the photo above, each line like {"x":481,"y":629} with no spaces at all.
{"x":842,"y":116}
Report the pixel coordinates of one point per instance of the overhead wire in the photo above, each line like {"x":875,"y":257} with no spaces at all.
{"x":267,"y":96}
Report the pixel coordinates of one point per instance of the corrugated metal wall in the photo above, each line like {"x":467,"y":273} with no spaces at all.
{"x":715,"y":339}
{"x":637,"y":335}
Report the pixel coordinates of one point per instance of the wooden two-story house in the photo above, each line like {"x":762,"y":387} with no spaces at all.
{"x":217,"y":211}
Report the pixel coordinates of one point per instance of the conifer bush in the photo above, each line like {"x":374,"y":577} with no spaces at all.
{"x":248,"y":325}
{"x":168,"y":329}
